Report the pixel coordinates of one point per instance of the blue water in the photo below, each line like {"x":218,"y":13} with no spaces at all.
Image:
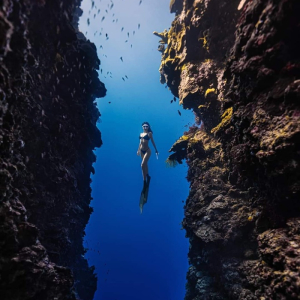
{"x":141,"y":256}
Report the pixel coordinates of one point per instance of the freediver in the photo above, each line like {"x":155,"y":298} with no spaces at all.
{"x":144,"y":151}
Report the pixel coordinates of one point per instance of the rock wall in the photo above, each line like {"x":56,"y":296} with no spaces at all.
{"x":48,"y":84}
{"x":236,"y":64}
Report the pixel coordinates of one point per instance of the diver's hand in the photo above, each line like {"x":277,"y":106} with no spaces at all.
{"x":138,"y":152}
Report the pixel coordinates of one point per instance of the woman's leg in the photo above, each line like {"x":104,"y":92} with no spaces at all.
{"x":142,"y":156}
{"x":144,"y":164}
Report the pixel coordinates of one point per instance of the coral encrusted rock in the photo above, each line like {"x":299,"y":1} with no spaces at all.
{"x":48,"y":132}
{"x":236,"y":64}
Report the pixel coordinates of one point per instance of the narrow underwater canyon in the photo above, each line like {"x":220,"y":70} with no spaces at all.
{"x":237,"y":69}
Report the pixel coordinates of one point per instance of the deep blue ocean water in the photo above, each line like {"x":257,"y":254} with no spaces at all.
{"x":137,"y":256}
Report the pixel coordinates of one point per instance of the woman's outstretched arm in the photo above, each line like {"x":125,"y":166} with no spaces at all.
{"x":139,"y":149}
{"x":151,"y":137}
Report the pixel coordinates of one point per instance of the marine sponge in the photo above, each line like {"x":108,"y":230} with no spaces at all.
{"x":184,"y":137}
{"x":225,"y":119}
{"x":205,"y":42}
{"x":210,"y":91}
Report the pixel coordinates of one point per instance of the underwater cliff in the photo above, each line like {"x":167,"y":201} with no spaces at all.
{"x":236,"y":64}
{"x":48,"y":132}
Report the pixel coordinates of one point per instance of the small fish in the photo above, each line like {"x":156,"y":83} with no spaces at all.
{"x":106,"y":11}
{"x":126,"y":41}
{"x":131,"y":45}
{"x":179,"y":113}
{"x":109,"y":102}
{"x":126,"y":76}
{"x":140,"y":2}
{"x":133,"y":32}
{"x":121,"y":58}
{"x":122,"y":28}
{"x":128,"y":34}
{"x":88,"y":21}
{"x":171,"y":101}
{"x":102,"y":19}
{"x":241,"y":4}
{"x":123,"y":78}
{"x":139,"y":26}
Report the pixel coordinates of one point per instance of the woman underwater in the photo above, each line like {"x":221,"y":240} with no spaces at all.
{"x":144,"y":149}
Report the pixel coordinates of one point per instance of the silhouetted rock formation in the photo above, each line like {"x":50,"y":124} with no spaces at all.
{"x":239,"y":72}
{"x":47,"y":133}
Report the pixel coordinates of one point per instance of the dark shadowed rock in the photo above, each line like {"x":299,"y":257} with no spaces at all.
{"x":176,"y":6}
{"x":47,"y":135}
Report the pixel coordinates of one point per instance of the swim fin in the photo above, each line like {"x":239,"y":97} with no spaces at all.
{"x":144,"y":195}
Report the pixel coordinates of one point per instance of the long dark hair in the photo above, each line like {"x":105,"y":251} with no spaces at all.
{"x":149,"y":129}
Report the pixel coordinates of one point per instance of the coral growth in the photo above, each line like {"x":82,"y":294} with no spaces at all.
{"x":236,"y":64}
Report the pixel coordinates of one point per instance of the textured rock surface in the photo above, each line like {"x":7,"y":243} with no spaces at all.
{"x":47,"y":133}
{"x":239,"y":71}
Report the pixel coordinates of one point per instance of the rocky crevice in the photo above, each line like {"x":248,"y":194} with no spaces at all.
{"x":238,"y":70}
{"x":48,"y":132}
